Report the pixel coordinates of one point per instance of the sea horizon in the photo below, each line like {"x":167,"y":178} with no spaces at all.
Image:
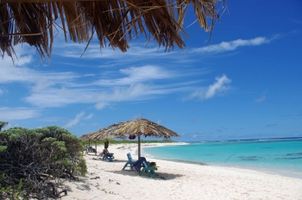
{"x":243,"y":139}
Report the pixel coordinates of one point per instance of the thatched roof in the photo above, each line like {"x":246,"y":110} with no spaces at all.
{"x":115,"y":21}
{"x":98,"y":135}
{"x":133,"y":127}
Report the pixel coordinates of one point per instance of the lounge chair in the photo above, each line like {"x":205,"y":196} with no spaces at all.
{"x":90,"y":149}
{"x":105,"y":155}
{"x":138,"y":165}
{"x":130,"y":162}
{"x":108,"y":157}
{"x":148,"y":168}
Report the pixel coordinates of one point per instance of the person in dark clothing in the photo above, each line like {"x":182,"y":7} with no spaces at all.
{"x":139,"y":163}
{"x":105,"y":155}
{"x":106,"y":144}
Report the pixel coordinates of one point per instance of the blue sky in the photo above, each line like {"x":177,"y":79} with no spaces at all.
{"x":242,"y":81}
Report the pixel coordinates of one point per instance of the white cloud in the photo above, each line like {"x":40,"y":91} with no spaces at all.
{"x":58,"y":89}
{"x":101,"y":105}
{"x":131,"y":84}
{"x":10,"y":114}
{"x":77,"y":119}
{"x":139,"y":52}
{"x":11,"y":71}
{"x":140,"y":74}
{"x":95,"y":52}
{"x":135,"y":83}
{"x":232,"y":45}
{"x":261,"y":99}
{"x":59,"y":97}
{"x":17,"y":71}
{"x":220,"y":86}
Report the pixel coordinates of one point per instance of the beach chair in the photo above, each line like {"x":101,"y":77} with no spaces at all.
{"x":105,"y":155}
{"x":148,"y":168}
{"x":108,"y":157}
{"x":130,"y":162}
{"x":90,"y":149}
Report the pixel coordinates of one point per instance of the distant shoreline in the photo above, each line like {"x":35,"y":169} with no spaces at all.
{"x":248,"y":139}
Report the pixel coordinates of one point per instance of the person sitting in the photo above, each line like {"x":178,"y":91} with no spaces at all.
{"x":142,"y":166}
{"x":139,"y":163}
{"x":105,"y":155}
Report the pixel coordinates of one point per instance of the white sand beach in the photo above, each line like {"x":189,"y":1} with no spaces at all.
{"x":106,"y":180}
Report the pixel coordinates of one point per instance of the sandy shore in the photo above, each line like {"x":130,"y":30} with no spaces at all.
{"x":106,"y":180}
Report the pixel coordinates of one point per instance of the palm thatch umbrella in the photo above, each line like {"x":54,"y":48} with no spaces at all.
{"x":112,"y":21}
{"x":132,"y":129}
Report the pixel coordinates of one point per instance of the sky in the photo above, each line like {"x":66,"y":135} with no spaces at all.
{"x":243,"y":80}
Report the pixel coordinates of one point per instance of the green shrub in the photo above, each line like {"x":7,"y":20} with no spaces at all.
{"x":31,"y":159}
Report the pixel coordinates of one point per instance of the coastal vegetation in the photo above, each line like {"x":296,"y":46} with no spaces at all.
{"x":34,"y":162}
{"x":2,"y":124}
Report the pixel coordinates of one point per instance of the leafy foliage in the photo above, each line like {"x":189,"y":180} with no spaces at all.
{"x":34,"y":161}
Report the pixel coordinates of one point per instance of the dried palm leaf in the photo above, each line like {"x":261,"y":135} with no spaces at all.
{"x":113,"y":21}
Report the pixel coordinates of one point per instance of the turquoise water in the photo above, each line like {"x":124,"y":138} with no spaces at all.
{"x":278,"y":156}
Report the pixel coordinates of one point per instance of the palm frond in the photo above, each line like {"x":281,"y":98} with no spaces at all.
{"x":114,"y":21}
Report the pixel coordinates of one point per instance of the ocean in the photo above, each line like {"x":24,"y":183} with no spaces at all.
{"x":283,"y":156}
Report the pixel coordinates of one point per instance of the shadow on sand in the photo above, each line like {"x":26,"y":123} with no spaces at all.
{"x":159,"y":175}
{"x":80,"y":184}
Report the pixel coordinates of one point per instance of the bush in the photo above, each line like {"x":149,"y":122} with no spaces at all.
{"x":32,"y":162}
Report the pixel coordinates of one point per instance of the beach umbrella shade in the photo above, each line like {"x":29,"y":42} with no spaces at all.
{"x":94,"y":136}
{"x":132,"y":129}
{"x":112,"y":22}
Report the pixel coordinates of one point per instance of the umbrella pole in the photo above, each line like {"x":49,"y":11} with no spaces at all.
{"x":139,"y":146}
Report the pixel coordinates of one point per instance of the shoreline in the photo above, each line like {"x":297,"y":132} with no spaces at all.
{"x":177,"y":181}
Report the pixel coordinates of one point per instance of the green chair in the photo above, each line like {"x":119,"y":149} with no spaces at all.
{"x":148,"y":169}
{"x":130,"y":162}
